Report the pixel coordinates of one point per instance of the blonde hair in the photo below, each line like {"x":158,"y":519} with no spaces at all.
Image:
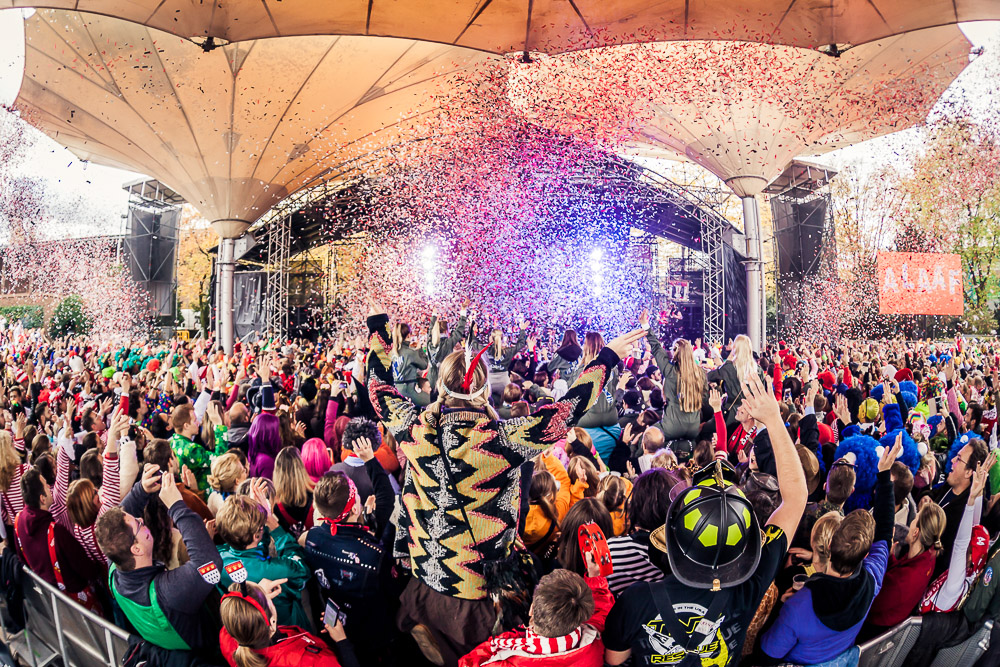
{"x":226,"y":473}
{"x":664,"y":458}
{"x":9,"y":461}
{"x":931,"y":521}
{"x":496,"y":342}
{"x":239,"y":521}
{"x":691,"y":381}
{"x":450,"y":376}
{"x":822,"y":536}
{"x":291,"y":481}
{"x":246,"y":625}
{"x":80,"y":502}
{"x":400,"y":332}
{"x":742,"y":358}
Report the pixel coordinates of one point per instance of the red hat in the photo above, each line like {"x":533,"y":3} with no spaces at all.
{"x":825,"y":433}
{"x":979,"y":547}
{"x":827,"y":379}
{"x":904,"y":374}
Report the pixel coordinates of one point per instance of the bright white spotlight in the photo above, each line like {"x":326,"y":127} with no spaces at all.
{"x":597,"y":255}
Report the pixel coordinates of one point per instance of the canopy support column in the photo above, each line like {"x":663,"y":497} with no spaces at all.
{"x":229,"y":231}
{"x":755,"y":286}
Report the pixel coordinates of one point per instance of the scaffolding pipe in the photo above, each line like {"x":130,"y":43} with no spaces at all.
{"x":754,"y":265}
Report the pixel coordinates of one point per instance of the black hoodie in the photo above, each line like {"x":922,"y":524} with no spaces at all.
{"x":841,"y":603}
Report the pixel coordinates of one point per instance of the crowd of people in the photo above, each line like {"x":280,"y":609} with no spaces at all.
{"x":464,"y":496}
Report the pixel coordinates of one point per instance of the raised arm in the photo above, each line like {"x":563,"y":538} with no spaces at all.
{"x":549,"y":423}
{"x":394,"y":410}
{"x":791,"y":479}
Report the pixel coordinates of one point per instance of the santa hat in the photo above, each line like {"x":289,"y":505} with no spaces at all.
{"x":825,"y":434}
{"x":21,"y":376}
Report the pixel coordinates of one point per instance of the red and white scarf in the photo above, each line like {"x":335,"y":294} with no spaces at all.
{"x":534,"y":644}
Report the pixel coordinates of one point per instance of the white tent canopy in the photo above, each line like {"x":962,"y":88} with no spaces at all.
{"x":236,"y":129}
{"x":550,"y":26}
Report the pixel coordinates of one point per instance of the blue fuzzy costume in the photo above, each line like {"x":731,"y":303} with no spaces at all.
{"x":893,"y":425}
{"x":865,"y":469}
{"x":866,"y":466}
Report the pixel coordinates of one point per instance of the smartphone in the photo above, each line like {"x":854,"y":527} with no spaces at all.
{"x":333,"y":614}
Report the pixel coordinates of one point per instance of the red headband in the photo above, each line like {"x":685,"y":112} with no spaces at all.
{"x":352,"y":498}
{"x":247,"y":598}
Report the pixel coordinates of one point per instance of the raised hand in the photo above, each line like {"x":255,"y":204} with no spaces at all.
{"x":622,"y":345}
{"x":760,"y":402}
{"x":889,"y":454}
{"x":715,"y":400}
{"x":363,"y":448}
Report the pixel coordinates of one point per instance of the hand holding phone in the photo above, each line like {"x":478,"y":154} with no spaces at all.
{"x":333,"y":614}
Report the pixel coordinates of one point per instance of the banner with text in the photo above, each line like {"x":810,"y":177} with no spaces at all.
{"x":920,"y":283}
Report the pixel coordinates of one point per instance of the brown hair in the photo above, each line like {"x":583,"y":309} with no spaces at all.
{"x":613,"y":492}
{"x":80,"y":502}
{"x":840,"y":484}
{"x":400,"y":333}
{"x":584,"y":511}
{"x":563,"y":602}
{"x":181,"y":416}
{"x":226,"y":473}
{"x":512,"y":393}
{"x":115,"y":538}
{"x":239,"y":521}
{"x":580,"y":467}
{"x":593,"y":343}
{"x":291,"y":481}
{"x":244,"y":623}
{"x":91,"y":467}
{"x":542,"y":493}
{"x":331,"y":494}
{"x":851,"y":541}
{"x":519,"y":409}
{"x":902,"y":482}
{"x":9,"y":461}
{"x":931,"y":521}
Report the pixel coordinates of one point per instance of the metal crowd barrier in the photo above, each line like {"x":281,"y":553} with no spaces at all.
{"x":892,"y":648}
{"x":59,"y":631}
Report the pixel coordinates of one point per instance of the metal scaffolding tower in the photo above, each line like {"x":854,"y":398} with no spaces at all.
{"x":714,"y":312}
{"x":279,"y":242}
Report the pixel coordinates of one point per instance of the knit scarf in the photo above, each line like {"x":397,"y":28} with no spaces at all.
{"x":534,"y":644}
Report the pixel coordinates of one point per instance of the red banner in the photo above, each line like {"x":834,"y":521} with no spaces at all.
{"x":920,"y":283}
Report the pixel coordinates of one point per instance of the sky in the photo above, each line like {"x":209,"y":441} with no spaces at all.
{"x":94,"y":201}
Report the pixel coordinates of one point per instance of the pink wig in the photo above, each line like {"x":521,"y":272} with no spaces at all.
{"x":315,"y":458}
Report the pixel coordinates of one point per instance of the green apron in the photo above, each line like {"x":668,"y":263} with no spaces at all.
{"x":150,"y":622}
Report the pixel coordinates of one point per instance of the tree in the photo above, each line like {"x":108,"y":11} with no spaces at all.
{"x":69,"y":317}
{"x":953,"y":198}
{"x":194,"y":262}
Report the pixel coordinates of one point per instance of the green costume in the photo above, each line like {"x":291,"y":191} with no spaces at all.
{"x":286,"y":563}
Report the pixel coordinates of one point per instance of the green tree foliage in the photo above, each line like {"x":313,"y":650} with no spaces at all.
{"x":69,"y":317}
{"x":953,"y":202}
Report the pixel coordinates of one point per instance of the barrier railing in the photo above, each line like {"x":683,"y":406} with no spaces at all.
{"x":59,"y":630}
{"x":892,"y":648}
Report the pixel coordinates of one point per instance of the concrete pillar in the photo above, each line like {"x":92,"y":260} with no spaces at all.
{"x":228,"y":231}
{"x":756,"y":304}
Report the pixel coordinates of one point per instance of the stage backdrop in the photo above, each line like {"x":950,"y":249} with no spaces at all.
{"x":918,"y":283}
